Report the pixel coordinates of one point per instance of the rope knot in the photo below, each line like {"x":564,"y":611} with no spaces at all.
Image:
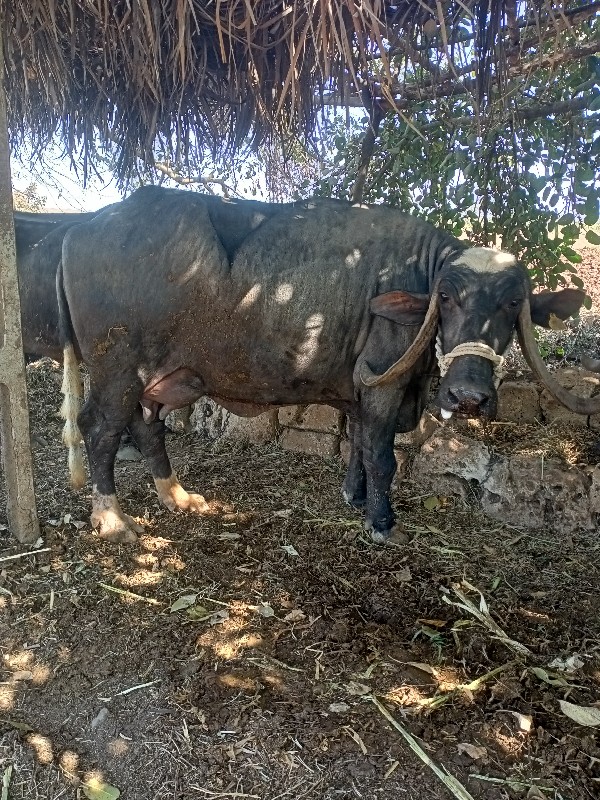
{"x":470,"y":349}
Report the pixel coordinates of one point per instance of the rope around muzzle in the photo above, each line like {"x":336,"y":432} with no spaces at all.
{"x":470,"y":349}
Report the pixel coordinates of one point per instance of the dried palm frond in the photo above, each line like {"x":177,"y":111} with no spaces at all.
{"x":219,"y":74}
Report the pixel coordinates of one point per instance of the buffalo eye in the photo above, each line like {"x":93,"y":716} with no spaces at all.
{"x":514,"y":303}
{"x":444,"y":297}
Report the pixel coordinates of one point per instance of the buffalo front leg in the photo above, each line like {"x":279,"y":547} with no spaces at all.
{"x":354,"y":489}
{"x":379,"y":409}
{"x":101,"y":431}
{"x":150,"y":438}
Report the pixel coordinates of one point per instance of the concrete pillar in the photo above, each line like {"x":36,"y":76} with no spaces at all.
{"x":14,"y":425}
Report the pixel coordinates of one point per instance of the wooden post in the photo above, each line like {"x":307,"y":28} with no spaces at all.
{"x":14,"y":424}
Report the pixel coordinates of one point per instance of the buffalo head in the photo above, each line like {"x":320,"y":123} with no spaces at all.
{"x":479,"y":298}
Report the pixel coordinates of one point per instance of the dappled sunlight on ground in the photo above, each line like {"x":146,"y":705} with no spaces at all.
{"x":42,"y":746}
{"x":238,"y":652}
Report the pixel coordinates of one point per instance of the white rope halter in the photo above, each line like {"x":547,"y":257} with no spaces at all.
{"x":470,"y":349}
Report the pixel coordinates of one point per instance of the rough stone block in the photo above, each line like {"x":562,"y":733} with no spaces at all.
{"x":427,"y":426}
{"x":525,"y":491}
{"x":511,"y":492}
{"x":595,"y":491}
{"x":345,"y":450}
{"x":586,"y":384}
{"x":181,"y":420}
{"x":402,"y":466}
{"x":521,"y":490}
{"x":320,"y":444}
{"x":312,"y":418}
{"x":519,"y":402}
{"x":217,"y":423}
{"x":453,"y":454}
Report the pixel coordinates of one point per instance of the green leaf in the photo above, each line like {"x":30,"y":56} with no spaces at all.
{"x":567,"y":219}
{"x":431,"y":503}
{"x":183,"y":602}
{"x":98,"y":790}
{"x":545,"y":677}
{"x":572,"y":256}
{"x":198,"y":613}
{"x":592,"y":237}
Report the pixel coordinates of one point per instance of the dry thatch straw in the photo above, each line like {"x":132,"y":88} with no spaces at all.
{"x":175,"y":74}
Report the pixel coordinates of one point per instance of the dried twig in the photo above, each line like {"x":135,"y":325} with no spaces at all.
{"x":483,"y":615}
{"x":451,"y":783}
{"x":23,"y":555}
{"x":130,"y":595}
{"x":6,"y":782}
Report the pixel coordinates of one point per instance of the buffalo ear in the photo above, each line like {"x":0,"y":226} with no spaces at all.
{"x":562,"y":304}
{"x":405,"y":308}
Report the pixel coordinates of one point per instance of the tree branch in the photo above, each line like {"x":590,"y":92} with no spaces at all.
{"x":376,"y":115}
{"x":203,"y":180}
{"x":406,"y":96}
{"x":574,"y":15}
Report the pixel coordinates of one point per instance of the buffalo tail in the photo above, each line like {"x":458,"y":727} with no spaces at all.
{"x":71,"y":389}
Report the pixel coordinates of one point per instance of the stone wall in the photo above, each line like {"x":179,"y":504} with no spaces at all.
{"x":522,"y":490}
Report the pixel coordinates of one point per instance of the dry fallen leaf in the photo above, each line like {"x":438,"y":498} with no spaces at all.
{"x":22,"y":675}
{"x":404,"y":575}
{"x":423,"y":667}
{"x":525,"y":721}
{"x":218,"y":616}
{"x":264,"y":609}
{"x":357,"y":688}
{"x":536,"y":794}
{"x":339,"y":708}
{"x":472,"y":750}
{"x":569,"y":665}
{"x":295,"y":616}
{"x":582,"y":715}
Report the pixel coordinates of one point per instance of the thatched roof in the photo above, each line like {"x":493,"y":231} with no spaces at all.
{"x":139,"y":73}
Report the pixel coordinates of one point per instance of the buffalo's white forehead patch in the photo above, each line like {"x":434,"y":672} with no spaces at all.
{"x":484,"y":259}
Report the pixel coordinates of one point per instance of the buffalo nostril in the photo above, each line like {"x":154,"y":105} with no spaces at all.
{"x":469,"y":401}
{"x":452,"y":399}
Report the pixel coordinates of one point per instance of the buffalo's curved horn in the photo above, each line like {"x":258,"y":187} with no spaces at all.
{"x":415,"y":351}
{"x":591,"y":364}
{"x":580,"y":405}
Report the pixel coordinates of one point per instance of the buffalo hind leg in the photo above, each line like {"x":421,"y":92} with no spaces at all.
{"x":101,"y":431}
{"x":354,"y":489}
{"x":150,"y":438}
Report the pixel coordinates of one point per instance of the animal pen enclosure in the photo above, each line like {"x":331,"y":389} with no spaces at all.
{"x":245,"y":655}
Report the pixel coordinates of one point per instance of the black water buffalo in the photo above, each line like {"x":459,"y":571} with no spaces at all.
{"x":260,"y":306}
{"x":38,"y":239}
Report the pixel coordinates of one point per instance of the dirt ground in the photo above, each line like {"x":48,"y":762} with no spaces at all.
{"x":291,"y":636}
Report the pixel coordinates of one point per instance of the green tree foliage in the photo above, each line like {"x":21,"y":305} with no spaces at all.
{"x":28,"y":199}
{"x":528,"y":177}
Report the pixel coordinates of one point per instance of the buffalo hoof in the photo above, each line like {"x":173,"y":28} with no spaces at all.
{"x":172,"y":494}
{"x":397,"y":535}
{"x":111,"y":523}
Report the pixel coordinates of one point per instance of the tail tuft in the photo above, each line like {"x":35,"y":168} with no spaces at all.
{"x":72,"y":391}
